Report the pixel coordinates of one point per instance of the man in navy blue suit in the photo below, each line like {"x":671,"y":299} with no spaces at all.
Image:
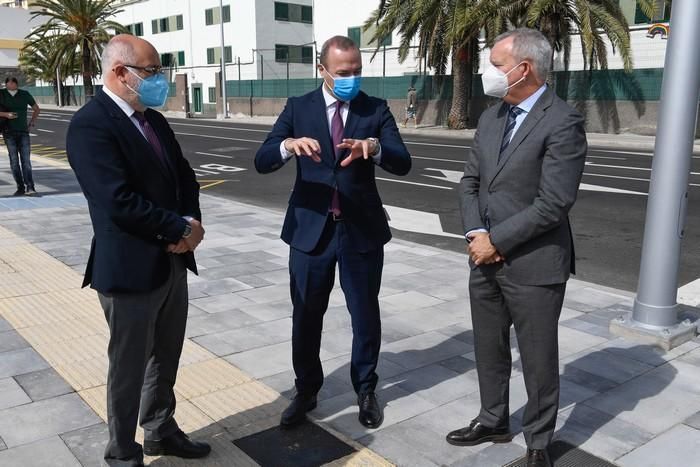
{"x":338,"y":135}
{"x":144,"y":204}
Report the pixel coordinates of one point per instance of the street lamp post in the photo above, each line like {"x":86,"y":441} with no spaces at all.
{"x":654,"y":318}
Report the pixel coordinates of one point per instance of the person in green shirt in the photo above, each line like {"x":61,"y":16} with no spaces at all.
{"x":15,"y":102}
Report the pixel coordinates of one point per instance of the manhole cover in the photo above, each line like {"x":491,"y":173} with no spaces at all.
{"x":307,"y":445}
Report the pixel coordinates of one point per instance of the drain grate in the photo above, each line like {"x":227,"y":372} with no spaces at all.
{"x":564,"y":454}
{"x":307,"y":445}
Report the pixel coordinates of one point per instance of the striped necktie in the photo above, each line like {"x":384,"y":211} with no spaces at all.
{"x":510,"y":127}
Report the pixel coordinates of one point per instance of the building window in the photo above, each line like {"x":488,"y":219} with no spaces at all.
{"x":212,"y":95}
{"x":135,"y":29}
{"x":663,"y":15}
{"x":293,"y":12}
{"x":362,"y":38}
{"x":173,"y":59}
{"x":171,"y":23}
{"x":214,"y":55}
{"x":213,"y":15}
{"x":293,"y":54}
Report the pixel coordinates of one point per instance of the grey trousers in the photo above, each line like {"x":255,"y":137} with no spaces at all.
{"x":496,"y":303}
{"x":146,"y":336}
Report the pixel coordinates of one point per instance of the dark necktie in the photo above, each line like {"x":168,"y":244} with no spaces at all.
{"x":337,"y":136}
{"x":150,"y":136}
{"x":510,"y":126}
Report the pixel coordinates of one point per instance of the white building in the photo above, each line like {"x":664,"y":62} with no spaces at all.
{"x":15,"y":24}
{"x":270,"y":39}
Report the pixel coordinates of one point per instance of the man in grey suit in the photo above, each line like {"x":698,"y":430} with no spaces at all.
{"x":520,"y":179}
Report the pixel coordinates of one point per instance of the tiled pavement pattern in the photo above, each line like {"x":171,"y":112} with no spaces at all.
{"x":631,"y":404}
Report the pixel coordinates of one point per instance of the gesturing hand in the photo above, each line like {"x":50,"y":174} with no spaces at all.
{"x":308,"y":147}
{"x":358,"y":148}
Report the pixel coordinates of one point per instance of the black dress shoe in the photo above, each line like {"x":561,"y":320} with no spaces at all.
{"x":538,"y":458}
{"x":296,"y":412}
{"x":371,"y":414}
{"x":178,"y":445}
{"x":476,"y":433}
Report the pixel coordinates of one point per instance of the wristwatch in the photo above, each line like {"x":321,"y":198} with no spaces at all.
{"x":187,"y":232}
{"x":376,"y":145}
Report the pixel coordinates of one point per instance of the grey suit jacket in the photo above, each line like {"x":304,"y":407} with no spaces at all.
{"x":525,"y":198}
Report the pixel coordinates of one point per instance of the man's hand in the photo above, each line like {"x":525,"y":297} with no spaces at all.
{"x":308,"y":147}
{"x":358,"y":148}
{"x":179,"y":247}
{"x":8,"y":115}
{"x":196,"y":236}
{"x":32,"y":123}
{"x":481,"y":250}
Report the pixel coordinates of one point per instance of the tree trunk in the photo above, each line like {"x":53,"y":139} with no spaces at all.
{"x":87,"y":71}
{"x":461,"y":87}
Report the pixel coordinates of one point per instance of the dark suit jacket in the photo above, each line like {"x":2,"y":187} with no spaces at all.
{"x":526,"y":197}
{"x":136,"y":203}
{"x":366,"y":222}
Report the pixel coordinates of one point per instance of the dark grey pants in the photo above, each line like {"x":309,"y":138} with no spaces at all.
{"x":496,"y":303}
{"x":146,"y":336}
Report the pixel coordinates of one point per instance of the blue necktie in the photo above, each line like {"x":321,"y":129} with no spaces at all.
{"x":510,"y":127}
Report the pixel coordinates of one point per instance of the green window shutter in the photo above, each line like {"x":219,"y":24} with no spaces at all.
{"x":165,"y":59}
{"x":355,"y":34}
{"x":181,"y":58}
{"x":210,"y":57}
{"x":307,"y":15}
{"x":209,"y":16}
{"x":226,"y":14}
{"x":180,"y":23}
{"x":281,"y":11}
{"x":164,"y":25}
{"x":212,"y":95}
{"x":281,"y":53}
{"x":228,"y":55}
{"x":138,"y":29}
{"x":307,"y":54}
{"x":154,"y":26}
{"x":640,"y":17}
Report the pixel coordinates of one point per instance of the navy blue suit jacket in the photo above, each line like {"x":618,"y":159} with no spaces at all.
{"x":136,"y":202}
{"x":366,"y":222}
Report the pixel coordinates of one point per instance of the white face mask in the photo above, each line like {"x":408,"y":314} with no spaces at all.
{"x":495,"y":82}
{"x":12,"y":92}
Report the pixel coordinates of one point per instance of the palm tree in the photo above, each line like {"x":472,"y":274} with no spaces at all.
{"x":77,"y":25}
{"x":434,"y":24}
{"x":39,"y":60}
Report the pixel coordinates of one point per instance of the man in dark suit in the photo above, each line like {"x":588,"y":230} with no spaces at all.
{"x":338,"y":135}
{"x":520,"y":181}
{"x":144,"y":205}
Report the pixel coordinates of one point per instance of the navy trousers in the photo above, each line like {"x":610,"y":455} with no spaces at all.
{"x":312,"y":276}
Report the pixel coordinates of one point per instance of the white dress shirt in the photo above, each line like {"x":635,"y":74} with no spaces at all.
{"x":126,"y":108}
{"x":330,"y":113}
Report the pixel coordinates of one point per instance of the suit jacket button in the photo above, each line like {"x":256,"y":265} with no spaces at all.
{"x":159,"y":237}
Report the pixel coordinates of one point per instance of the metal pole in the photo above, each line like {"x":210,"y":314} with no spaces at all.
{"x":287,"y":74}
{"x":58,"y":85}
{"x":223,"y":60}
{"x":262,"y":71}
{"x":238,"y":59}
{"x":655,"y":306}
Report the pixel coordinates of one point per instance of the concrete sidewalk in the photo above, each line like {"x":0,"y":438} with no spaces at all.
{"x":622,"y":141}
{"x":629,"y":404}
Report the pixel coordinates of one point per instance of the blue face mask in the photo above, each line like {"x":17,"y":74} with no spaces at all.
{"x":346,"y":88}
{"x":153,"y":91}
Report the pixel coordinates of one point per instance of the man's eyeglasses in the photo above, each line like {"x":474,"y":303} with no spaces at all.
{"x":153,"y":70}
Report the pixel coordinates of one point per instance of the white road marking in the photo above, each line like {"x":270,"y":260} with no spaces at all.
{"x":45,"y":131}
{"x":221,"y":127}
{"x":452,"y":176}
{"x":214,"y":155}
{"x":437,"y":145}
{"x":437,"y":159}
{"x":219,"y":137}
{"x":605,"y":189}
{"x":689,"y":294}
{"x":410,"y":220}
{"x":595,"y":164}
{"x":413,"y":183}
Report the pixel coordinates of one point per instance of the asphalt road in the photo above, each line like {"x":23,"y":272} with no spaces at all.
{"x":607,"y":220}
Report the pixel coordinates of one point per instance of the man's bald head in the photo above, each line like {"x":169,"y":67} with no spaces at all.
{"x":123,"y":60}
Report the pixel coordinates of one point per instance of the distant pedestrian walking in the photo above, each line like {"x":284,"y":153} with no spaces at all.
{"x":411,"y":107}
{"x":14,"y":102}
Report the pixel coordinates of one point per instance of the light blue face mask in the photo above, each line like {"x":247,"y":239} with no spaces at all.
{"x":152,"y":91}
{"x":346,"y":88}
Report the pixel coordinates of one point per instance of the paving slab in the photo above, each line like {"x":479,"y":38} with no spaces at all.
{"x":11,"y":394}
{"x":49,"y":452}
{"x":678,"y":446}
{"x":88,"y":444}
{"x":43,"y":384}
